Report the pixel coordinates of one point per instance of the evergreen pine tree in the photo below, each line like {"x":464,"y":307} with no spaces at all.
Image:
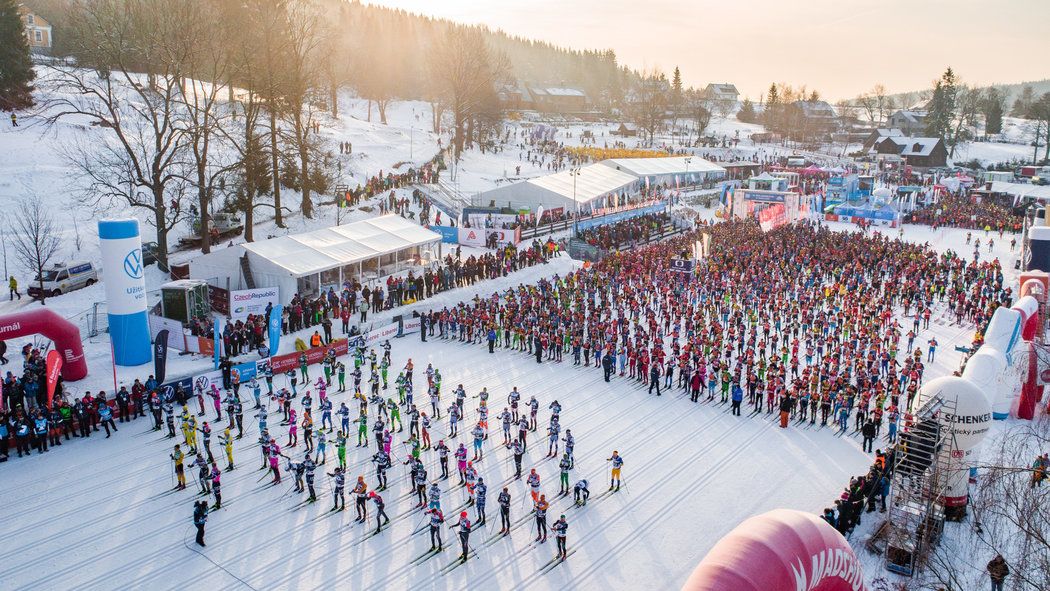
{"x":16,"y":69}
{"x":941,"y":112}
{"x":746,"y":112}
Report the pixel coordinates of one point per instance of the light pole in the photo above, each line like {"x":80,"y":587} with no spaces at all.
{"x":575,"y":172}
{"x":687,"y":162}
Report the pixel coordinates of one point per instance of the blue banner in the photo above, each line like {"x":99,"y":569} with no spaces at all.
{"x":449,"y":234}
{"x":246,"y":371}
{"x":218,"y":342}
{"x":619,"y":216}
{"x":273,"y":329}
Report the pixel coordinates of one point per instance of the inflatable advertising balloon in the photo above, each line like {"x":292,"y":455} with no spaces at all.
{"x":969,"y":423}
{"x":781,"y":550}
{"x":125,"y":284}
{"x":62,"y":332}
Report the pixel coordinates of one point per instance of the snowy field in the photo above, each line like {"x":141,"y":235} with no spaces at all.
{"x":100,"y":515}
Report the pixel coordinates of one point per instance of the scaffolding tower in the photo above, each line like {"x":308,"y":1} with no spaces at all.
{"x":926,"y":457}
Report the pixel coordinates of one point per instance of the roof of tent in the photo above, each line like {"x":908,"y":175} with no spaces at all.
{"x":592,"y":182}
{"x":659,"y":166}
{"x":1040,"y":192}
{"x":327,"y":248}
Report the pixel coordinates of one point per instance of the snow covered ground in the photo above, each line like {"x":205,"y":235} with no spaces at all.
{"x":98,"y":514}
{"x":104,"y":525}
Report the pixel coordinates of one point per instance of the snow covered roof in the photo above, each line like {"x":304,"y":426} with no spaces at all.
{"x":889,"y":132}
{"x":1041,"y":192}
{"x":816,"y":108}
{"x":643,"y":167}
{"x":593,"y":182}
{"x":913,"y":146}
{"x":328,"y":248}
{"x":722,"y":89}
{"x":564,"y":91}
{"x":911,"y":116}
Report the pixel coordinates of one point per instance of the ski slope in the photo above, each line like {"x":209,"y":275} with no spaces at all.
{"x":100,"y":515}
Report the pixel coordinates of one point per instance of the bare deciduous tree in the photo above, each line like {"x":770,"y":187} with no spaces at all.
{"x":137,"y":166}
{"x":35,"y":239}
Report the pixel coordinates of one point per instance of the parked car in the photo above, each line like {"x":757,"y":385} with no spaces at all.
{"x":63,"y":278}
{"x":149,"y":253}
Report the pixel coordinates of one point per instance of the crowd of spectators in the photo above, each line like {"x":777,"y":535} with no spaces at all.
{"x":640,"y":229}
{"x":978,"y":213}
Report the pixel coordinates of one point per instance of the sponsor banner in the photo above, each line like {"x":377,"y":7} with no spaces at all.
{"x":53,"y":365}
{"x":204,"y":381}
{"x":619,"y":216}
{"x":491,"y":220}
{"x":167,"y":391}
{"x":219,"y":299}
{"x":245,"y":371}
{"x":174,"y":328}
{"x":282,"y":363}
{"x":382,"y":333}
{"x":160,"y":355}
{"x":411,"y":325}
{"x":764,"y":196}
{"x":245,"y":302}
{"x":684,"y":266}
{"x":472,"y":237}
{"x":200,"y":345}
{"x":449,"y":235}
{"x":218,"y":343}
{"x":273,"y":329}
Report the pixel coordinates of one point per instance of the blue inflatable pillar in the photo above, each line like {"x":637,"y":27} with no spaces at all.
{"x":125,"y":284}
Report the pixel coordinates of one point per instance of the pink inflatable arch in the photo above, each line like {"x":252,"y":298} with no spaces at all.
{"x":781,"y":550}
{"x":62,"y":332}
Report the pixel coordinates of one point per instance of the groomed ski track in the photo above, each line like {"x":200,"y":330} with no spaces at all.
{"x":99,"y":515}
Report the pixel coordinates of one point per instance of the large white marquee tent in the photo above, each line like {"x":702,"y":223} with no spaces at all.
{"x":592,"y":185}
{"x":313,"y":261}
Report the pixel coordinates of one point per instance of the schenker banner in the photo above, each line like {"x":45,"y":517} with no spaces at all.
{"x":282,"y":363}
{"x":54,"y":366}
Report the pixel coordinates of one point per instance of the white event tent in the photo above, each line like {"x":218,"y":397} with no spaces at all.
{"x":313,"y":261}
{"x":583,"y":189}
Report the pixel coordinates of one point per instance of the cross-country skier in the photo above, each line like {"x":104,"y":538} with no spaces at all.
{"x":339,"y":501}
{"x":504,"y":510}
{"x":443,"y":452}
{"x":464,"y":534}
{"x":519,"y":450}
{"x":200,"y":517}
{"x":580,"y":492}
{"x":361,"y":490}
{"x":617,"y":463}
{"x":541,"y":519}
{"x":560,"y":528}
{"x":380,"y":513}
{"x":436,"y":519}
{"x":480,"y":490}
{"x":534,"y":484}
{"x":177,"y":457}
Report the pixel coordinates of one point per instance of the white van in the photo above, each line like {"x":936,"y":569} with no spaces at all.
{"x":64,"y":278}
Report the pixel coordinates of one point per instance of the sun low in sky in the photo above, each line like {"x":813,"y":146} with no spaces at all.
{"x":839,"y":47}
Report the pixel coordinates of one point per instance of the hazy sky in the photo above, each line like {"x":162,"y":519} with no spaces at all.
{"x":840,"y":47}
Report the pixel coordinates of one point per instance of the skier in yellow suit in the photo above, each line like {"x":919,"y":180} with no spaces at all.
{"x":227,"y":444}
{"x":177,"y":457}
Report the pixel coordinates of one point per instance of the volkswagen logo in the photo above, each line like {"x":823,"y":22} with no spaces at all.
{"x":133,"y":264}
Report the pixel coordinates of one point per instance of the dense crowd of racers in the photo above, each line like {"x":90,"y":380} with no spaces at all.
{"x":801,"y":321}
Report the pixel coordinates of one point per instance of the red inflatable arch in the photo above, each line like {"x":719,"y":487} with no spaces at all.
{"x":781,"y":550}
{"x":62,"y":332}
